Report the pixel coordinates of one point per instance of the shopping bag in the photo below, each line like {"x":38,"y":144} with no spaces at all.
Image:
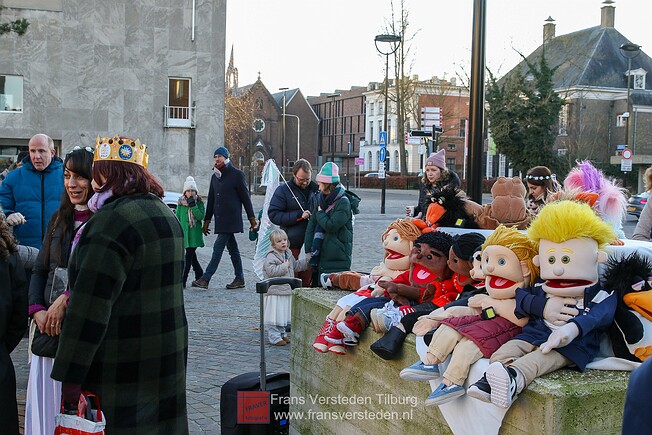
{"x":89,"y":420}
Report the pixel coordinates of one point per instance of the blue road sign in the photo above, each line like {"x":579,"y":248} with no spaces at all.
{"x":382,"y":154}
{"x":383,"y":139}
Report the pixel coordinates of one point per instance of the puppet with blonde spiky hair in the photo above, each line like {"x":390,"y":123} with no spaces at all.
{"x":507,"y":264}
{"x":568,"y":311}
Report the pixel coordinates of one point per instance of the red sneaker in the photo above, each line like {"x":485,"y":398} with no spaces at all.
{"x":335,"y":336}
{"x":320,"y":344}
{"x":350,"y":329}
{"x":338,"y":349}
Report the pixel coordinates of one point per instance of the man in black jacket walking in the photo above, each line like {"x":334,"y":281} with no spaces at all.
{"x":289,"y":208}
{"x":227,"y":195}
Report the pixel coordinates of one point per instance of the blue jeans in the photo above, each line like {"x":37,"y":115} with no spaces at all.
{"x":365,"y":306}
{"x":224,"y":240}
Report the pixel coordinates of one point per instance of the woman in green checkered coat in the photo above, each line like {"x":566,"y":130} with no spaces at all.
{"x":125,"y":337}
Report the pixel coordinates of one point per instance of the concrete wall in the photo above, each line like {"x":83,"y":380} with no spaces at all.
{"x":102,"y":68}
{"x":562,"y":402}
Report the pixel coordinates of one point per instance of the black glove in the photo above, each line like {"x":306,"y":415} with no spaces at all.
{"x":192,"y":201}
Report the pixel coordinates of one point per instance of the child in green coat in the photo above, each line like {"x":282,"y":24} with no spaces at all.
{"x":190,"y":212}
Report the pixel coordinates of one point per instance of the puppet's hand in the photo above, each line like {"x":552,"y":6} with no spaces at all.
{"x":617,"y":242}
{"x":461,"y":311}
{"x":392,"y":288}
{"x":479,"y":301}
{"x":560,"y":337}
{"x":378,"y":292}
{"x":559,"y":311}
{"x":429,"y":293}
{"x":424,"y":325}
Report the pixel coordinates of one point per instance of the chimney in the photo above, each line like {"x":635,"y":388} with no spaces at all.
{"x":608,"y":16}
{"x":549,"y":29}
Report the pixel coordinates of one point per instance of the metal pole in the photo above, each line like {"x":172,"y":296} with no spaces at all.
{"x":283,"y":149}
{"x":629,"y":114}
{"x":476,"y":103}
{"x":384,"y":182}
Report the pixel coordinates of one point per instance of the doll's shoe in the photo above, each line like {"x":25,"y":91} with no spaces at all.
{"x":481,"y":390}
{"x":335,"y":336}
{"x":502,"y":380}
{"x":338,"y":349}
{"x":351,"y":328}
{"x":390,"y":344}
{"x":444,"y":394}
{"x":420,"y":372}
{"x":382,"y":319}
{"x":325,"y":281}
{"x":320,"y":344}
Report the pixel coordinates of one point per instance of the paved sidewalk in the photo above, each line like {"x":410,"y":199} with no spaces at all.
{"x":223,"y":324}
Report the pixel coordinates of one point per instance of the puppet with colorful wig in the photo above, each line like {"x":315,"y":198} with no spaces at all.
{"x":397,"y":242}
{"x":568,"y":311}
{"x":507,"y":263}
{"x":611,"y":204}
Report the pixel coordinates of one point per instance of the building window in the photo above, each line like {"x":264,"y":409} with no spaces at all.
{"x":462,"y":128}
{"x":450,"y":163}
{"x":259,"y":104}
{"x":371,"y":109}
{"x":563,"y":121}
{"x":621,"y":120}
{"x":11,"y":94}
{"x":451,"y":147}
{"x":179,"y":112}
{"x":562,"y":151}
{"x":371,"y":132}
{"x":639,"y":81}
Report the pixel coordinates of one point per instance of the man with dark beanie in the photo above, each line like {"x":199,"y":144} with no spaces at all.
{"x":227,"y":195}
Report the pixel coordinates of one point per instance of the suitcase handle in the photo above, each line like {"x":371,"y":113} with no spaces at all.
{"x":263,"y":286}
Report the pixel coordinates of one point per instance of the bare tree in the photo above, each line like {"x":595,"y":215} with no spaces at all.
{"x":238,"y":121}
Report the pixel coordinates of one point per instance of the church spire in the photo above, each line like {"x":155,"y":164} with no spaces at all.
{"x":231,"y":75}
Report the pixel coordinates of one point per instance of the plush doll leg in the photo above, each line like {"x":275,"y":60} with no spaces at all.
{"x":536,"y":363}
{"x":335,"y":312}
{"x":346,"y":280}
{"x":464,"y":355}
{"x":442,"y":344}
{"x":342,"y":314}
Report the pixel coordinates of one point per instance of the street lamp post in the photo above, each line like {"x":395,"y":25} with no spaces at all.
{"x":332,"y":128}
{"x":629,"y":51}
{"x":392,"y":41}
{"x":283,"y":129}
{"x":298,"y":130}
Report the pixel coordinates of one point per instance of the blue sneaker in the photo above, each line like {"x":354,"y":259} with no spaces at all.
{"x":420,"y":372}
{"x":444,"y":394}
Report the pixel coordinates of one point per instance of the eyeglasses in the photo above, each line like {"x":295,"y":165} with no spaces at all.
{"x":77,"y":148}
{"x":303,"y":180}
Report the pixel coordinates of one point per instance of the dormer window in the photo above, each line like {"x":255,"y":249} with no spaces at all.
{"x":638,"y":78}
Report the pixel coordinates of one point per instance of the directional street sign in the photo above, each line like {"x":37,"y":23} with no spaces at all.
{"x":382,"y":154}
{"x":383,"y":139}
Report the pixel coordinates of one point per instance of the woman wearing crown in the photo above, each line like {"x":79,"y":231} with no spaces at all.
{"x":125,"y":337}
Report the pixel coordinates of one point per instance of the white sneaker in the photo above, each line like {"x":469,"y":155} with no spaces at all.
{"x":325,"y":281}
{"x":502,"y":380}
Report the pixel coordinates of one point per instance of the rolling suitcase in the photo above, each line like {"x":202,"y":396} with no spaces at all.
{"x":258,"y":402}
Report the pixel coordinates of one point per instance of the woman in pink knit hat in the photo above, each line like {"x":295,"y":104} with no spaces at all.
{"x":435,"y":177}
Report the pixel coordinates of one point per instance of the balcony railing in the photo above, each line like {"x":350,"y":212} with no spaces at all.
{"x":178,"y":117}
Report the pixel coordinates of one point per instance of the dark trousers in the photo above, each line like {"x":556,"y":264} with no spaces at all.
{"x":365,"y":306}
{"x":191,"y":260}
{"x":409,"y":320}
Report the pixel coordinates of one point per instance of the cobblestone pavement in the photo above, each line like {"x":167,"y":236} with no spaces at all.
{"x":223,"y":324}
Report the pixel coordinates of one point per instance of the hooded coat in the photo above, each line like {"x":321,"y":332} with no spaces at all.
{"x":34,"y":194}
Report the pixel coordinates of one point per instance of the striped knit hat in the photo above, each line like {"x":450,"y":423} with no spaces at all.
{"x":329,"y":173}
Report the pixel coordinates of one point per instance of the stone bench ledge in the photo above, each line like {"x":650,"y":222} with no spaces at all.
{"x":562,"y":402}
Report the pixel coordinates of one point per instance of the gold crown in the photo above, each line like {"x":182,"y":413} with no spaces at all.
{"x":121,"y":149}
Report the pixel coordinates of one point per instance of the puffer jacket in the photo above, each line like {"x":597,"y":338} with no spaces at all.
{"x":337,"y":246}
{"x":426,"y":192}
{"x":34,"y":194}
{"x":285,"y":212}
{"x":488,"y":335}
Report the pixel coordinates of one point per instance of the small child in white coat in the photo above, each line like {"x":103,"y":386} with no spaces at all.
{"x":279,"y":262}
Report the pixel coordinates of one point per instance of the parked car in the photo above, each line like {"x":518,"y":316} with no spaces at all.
{"x":636,"y":203}
{"x":171,"y":199}
{"x":375,"y":175}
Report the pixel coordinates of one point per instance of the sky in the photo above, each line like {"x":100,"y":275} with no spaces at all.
{"x":322,"y":46}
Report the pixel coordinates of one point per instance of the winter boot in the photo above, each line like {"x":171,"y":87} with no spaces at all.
{"x":390,"y":344}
